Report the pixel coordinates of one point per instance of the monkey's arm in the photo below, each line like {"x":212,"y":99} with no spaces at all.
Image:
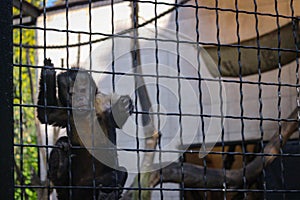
{"x":48,"y":111}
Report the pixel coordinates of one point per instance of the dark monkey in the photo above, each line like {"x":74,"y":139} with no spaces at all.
{"x":71,"y":164}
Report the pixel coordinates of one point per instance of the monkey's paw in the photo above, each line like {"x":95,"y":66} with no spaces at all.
{"x":110,"y":196}
{"x":63,"y":144}
{"x":48,"y":63}
{"x":58,"y":161}
{"x":122,"y":108}
{"x":125,"y":104}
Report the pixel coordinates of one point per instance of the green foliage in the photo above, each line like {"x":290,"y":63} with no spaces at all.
{"x":26,"y":157}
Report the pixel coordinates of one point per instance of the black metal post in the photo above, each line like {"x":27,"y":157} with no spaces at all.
{"x":6,"y":102}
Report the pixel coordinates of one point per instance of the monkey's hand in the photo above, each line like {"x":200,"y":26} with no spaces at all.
{"x":121,"y":109}
{"x":115,"y":179}
{"x":113,"y":109}
{"x":48,"y":69}
{"x":109,"y":196}
{"x":48,"y":76}
{"x":59,"y":160}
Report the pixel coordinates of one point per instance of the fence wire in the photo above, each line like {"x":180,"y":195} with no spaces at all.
{"x":235,"y":165}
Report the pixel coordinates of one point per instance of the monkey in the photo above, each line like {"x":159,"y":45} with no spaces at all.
{"x":71,"y":163}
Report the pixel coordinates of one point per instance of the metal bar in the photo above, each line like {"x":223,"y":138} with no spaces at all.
{"x":81,"y":3}
{"x":28,"y":8}
{"x":26,"y":20}
{"x":6,"y":102}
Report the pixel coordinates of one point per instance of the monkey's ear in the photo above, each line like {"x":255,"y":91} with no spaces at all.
{"x":47,"y":62}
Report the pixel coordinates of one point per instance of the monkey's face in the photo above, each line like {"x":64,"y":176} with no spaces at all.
{"x":83,"y":92}
{"x":77,"y":90}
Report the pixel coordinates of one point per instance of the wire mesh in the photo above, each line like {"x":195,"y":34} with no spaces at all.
{"x":214,"y":86}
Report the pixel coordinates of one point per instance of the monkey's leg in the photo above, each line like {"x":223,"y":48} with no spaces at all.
{"x":59,"y":166}
{"x":117,"y":178}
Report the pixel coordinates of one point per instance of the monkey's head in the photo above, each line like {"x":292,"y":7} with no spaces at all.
{"x":76,"y":89}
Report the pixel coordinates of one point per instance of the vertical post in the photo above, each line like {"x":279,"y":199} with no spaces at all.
{"x":6,"y":102}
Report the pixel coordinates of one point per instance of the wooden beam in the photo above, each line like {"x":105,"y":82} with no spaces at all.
{"x":27,"y":8}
